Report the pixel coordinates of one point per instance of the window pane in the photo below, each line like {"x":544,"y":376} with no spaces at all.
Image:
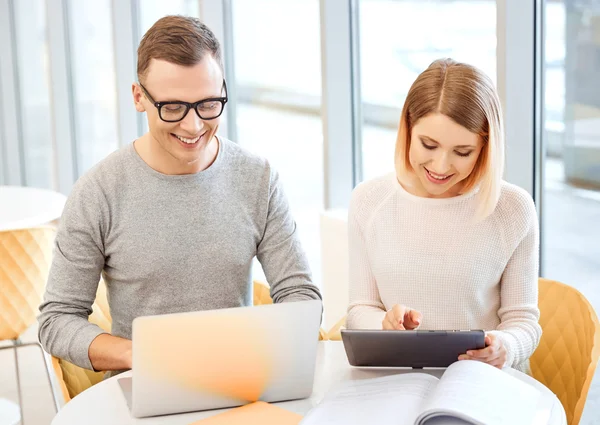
{"x":33,"y":70}
{"x":571,"y":209}
{"x":152,"y":10}
{"x":93,"y":79}
{"x":278,"y":81}
{"x":571,"y":186}
{"x":398,"y":40}
{"x":3,"y":167}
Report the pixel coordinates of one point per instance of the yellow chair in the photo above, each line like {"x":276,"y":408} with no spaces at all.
{"x":25,"y":258}
{"x":74,"y":379}
{"x":335,"y":333}
{"x":569,"y":349}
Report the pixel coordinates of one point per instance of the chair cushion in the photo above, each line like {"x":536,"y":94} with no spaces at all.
{"x":77,"y":379}
{"x":100,"y":309}
{"x":262,"y":293}
{"x":25,"y":257}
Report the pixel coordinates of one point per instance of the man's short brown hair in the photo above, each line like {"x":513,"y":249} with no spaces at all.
{"x":181,"y":40}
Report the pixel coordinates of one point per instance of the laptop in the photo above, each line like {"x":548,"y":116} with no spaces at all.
{"x":214,"y":359}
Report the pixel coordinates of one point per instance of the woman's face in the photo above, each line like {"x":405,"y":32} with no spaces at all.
{"x":442,"y":154}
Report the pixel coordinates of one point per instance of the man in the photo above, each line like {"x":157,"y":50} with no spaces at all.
{"x":174,"y":220}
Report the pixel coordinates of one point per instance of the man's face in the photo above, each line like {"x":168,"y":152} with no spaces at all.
{"x":184,"y":142}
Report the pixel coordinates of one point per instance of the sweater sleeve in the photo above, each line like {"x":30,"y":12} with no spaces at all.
{"x":64,"y":330}
{"x":519,"y":329}
{"x":280,"y":252}
{"x":366,"y":310}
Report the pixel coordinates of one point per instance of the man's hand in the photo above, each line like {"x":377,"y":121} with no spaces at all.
{"x":400,"y":317}
{"x":109,"y":352}
{"x":494,"y":352}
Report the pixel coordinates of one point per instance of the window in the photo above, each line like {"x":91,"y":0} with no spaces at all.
{"x":571,"y":191}
{"x":278,"y":77}
{"x":32,"y":65}
{"x":93,"y":81}
{"x":152,"y":10}
{"x":398,"y":40}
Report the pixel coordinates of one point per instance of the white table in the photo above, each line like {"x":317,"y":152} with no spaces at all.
{"x":23,"y":207}
{"x":104,"y":403}
{"x":9,"y":412}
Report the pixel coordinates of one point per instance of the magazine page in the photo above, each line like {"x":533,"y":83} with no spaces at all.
{"x":481,"y":394}
{"x":395,"y":399}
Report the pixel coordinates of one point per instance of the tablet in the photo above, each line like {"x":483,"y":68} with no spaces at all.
{"x":416,"y":349}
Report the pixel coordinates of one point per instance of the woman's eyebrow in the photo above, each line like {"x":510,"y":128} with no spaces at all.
{"x":429,"y":139}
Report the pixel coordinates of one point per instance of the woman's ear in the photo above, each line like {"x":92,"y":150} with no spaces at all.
{"x":137,"y":98}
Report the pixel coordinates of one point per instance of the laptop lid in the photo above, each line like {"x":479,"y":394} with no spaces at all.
{"x":223,"y":358}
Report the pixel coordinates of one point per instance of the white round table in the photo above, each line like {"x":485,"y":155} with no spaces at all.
{"x":105,"y":403}
{"x":9,"y":412}
{"x":23,"y":207}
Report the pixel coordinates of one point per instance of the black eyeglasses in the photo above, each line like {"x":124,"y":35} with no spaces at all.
{"x":174,"y":111}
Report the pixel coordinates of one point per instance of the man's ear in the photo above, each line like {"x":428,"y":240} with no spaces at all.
{"x":137,"y":97}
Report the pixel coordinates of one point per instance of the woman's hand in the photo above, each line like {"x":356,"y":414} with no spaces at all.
{"x":400,"y":317}
{"x":494,"y":352}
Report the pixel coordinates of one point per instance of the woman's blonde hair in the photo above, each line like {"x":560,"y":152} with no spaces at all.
{"x":466,"y":95}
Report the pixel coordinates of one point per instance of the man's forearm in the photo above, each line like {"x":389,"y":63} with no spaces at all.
{"x":108,"y":352}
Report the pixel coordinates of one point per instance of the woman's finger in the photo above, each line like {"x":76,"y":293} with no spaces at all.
{"x":483,"y":353}
{"x":398,"y":312}
{"x":387,"y":325}
{"x":412,"y":319}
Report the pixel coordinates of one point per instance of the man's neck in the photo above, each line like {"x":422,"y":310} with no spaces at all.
{"x":162,"y":161}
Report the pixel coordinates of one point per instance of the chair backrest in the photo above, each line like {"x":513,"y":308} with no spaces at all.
{"x":74,"y":379}
{"x":25,"y":258}
{"x":567,"y":355}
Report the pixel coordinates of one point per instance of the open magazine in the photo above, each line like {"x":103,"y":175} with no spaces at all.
{"x":469,"y":392}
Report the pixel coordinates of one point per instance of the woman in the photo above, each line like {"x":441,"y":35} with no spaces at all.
{"x":445,"y":243}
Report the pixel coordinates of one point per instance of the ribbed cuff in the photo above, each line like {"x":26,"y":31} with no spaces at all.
{"x":80,"y":344}
{"x":509,"y":343}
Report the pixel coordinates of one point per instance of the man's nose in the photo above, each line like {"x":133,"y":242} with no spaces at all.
{"x":191,"y":123}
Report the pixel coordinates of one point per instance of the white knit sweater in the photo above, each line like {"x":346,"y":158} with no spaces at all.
{"x":430,"y":255}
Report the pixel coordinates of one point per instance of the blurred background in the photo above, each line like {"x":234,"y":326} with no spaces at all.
{"x":317,"y":87}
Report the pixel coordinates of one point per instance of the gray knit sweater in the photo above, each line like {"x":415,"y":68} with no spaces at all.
{"x":168,"y":243}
